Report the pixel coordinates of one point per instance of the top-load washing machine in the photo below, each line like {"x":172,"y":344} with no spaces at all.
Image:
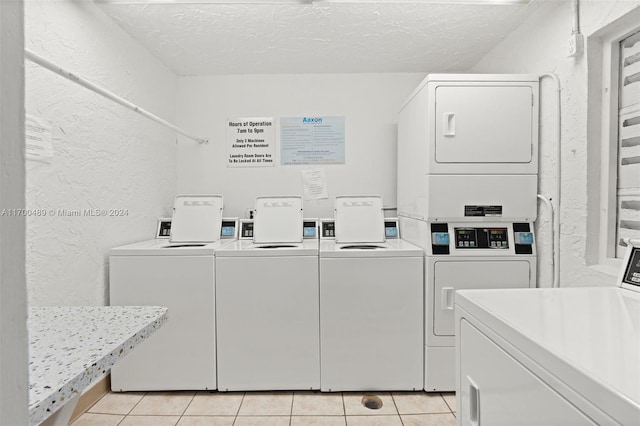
{"x":552,"y":356}
{"x":267,"y":302}
{"x":371,"y":306}
{"x":178,"y":273}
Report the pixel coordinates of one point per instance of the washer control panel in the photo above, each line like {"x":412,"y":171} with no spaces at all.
{"x":164,"y":227}
{"x":508,"y":238}
{"x":229,"y":228}
{"x":632,"y":273}
{"x":310,"y":228}
{"x":391,"y":228}
{"x":327,"y":228}
{"x":481,"y":238}
{"x":246,"y":229}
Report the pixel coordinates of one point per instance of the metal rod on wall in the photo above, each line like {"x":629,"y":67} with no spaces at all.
{"x":33,"y":57}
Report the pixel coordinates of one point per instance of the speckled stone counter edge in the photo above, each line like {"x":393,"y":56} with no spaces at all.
{"x":40,"y":409}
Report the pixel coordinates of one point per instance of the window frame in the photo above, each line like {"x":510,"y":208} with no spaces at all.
{"x":609,"y":39}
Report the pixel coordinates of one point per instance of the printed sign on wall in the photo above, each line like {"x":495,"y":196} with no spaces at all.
{"x":38,"y":139}
{"x":251,"y":142}
{"x":314,"y":184}
{"x":311,"y":140}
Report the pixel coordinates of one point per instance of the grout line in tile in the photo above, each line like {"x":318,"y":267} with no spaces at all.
{"x":239,"y":406}
{"x":132,"y":408}
{"x":396,"y":405}
{"x":293,"y":395}
{"x":136,"y":404}
{"x":304,"y":415}
{"x":445,"y":401}
{"x":186,"y":407}
{"x":270,"y":415}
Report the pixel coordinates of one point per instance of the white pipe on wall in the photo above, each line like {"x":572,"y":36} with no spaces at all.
{"x":576,"y":16}
{"x":33,"y":57}
{"x":557,"y":212}
{"x":546,"y":201}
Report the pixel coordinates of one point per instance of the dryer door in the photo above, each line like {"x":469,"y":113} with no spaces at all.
{"x":459,"y":275}
{"x":484,"y":124}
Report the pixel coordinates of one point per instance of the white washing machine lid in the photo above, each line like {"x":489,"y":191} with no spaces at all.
{"x":278,"y":220}
{"x":196,"y":219}
{"x":390,"y":248}
{"x":163,"y":247}
{"x":588,"y":337}
{"x":359,"y":219}
{"x":247,"y":248}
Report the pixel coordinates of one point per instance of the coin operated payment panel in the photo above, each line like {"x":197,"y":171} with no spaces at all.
{"x":462,"y":239}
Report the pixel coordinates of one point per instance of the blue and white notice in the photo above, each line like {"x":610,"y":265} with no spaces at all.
{"x":311,"y":140}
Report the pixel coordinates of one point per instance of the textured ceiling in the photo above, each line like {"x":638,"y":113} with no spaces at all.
{"x":202,"y":39}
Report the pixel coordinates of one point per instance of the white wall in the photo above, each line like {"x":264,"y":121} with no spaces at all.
{"x":369,"y":102}
{"x":14,"y":395}
{"x":539,"y":45}
{"x":106,"y":156}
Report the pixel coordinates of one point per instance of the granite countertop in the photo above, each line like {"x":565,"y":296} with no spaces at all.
{"x":72,"y":347}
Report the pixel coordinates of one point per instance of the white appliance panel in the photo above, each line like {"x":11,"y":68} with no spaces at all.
{"x":371,"y":323}
{"x":278,"y":220}
{"x":196,"y":218}
{"x":449,"y":194}
{"x":359,"y":219}
{"x":583,"y":342}
{"x":412,"y":154}
{"x":483,"y":124}
{"x":268,"y":323}
{"x":181,"y":355}
{"x":495,"y":389}
{"x":451,"y":276}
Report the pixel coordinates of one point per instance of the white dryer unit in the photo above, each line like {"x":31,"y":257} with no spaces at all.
{"x":267,"y":302}
{"x":562,"y":356}
{"x":468,"y":141}
{"x":468,"y":256}
{"x":371,"y":309}
{"x":179,"y":275}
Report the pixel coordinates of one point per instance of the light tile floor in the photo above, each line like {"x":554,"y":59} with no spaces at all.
{"x":270,"y":409}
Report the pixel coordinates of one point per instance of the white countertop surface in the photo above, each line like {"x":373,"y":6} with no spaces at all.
{"x":72,"y":347}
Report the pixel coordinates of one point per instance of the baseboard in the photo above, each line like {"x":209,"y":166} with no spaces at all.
{"x":91,"y":396}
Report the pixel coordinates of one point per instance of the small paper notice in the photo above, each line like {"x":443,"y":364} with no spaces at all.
{"x":314,"y":184}
{"x":38,"y":139}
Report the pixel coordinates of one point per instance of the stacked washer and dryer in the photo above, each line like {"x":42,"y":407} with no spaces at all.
{"x":179,"y":273}
{"x":467,"y":195}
